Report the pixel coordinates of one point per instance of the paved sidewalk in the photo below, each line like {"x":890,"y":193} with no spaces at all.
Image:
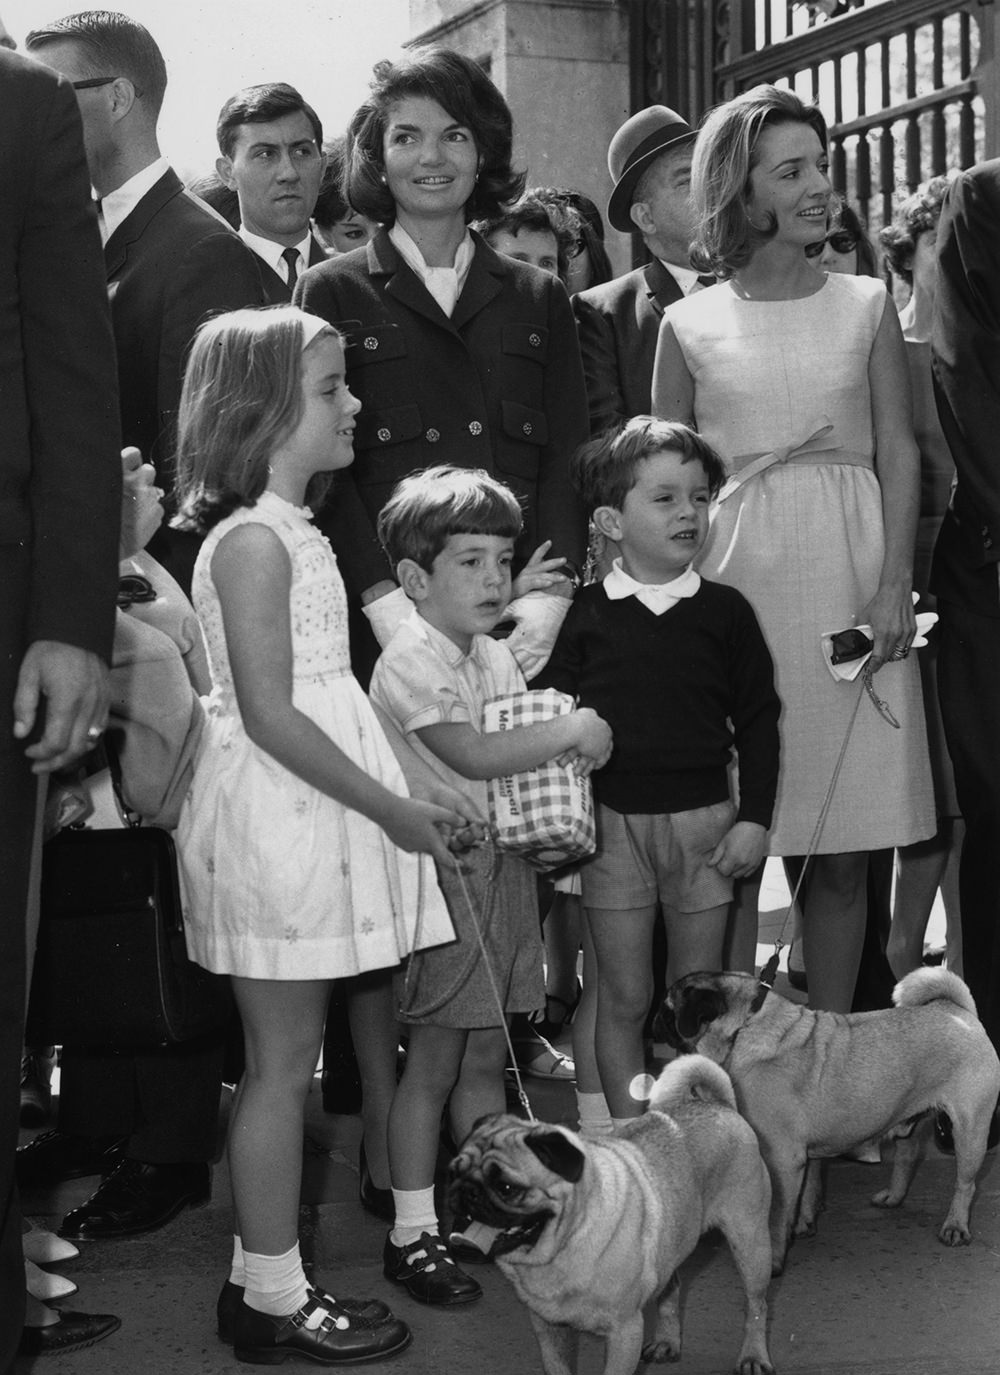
{"x":873,"y":1292}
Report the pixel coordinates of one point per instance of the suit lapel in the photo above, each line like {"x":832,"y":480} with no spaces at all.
{"x":661,"y":287}
{"x":133,"y":226}
{"x":483,"y":283}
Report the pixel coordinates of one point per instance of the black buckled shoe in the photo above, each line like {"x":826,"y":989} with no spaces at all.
{"x":231,"y":1301}
{"x":137,"y":1197}
{"x":427,"y":1271}
{"x":72,"y":1332}
{"x":54,"y":1156}
{"x":321,"y":1331}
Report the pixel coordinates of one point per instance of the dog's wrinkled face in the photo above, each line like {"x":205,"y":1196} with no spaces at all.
{"x":703,"y":1012}
{"x":511,"y":1174}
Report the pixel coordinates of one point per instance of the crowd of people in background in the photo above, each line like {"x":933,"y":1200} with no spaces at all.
{"x":382,"y":435}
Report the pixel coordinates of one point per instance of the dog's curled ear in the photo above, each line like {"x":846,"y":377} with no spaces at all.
{"x":557,"y":1153}
{"x":699,"y":1008}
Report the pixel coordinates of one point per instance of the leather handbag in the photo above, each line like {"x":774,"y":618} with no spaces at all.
{"x":111,"y":967}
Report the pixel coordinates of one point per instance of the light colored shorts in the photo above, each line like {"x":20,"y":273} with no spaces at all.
{"x":663,"y":857}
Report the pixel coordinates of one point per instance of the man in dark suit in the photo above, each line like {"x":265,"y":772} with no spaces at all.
{"x":966,"y":361}
{"x":60,"y":498}
{"x":271,"y":155}
{"x":170,"y":262}
{"x":618,"y":322}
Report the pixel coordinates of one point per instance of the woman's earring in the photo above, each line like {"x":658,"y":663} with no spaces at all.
{"x":384,"y":180}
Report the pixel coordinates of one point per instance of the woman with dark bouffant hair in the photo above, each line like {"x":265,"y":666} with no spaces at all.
{"x":458,"y":355}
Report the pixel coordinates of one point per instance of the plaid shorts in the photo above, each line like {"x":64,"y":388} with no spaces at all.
{"x":662,"y":857}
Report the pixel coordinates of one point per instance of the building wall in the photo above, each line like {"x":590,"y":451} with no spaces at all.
{"x":563,"y":67}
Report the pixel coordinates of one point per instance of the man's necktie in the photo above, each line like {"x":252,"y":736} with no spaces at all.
{"x":707,"y":280}
{"x":291,"y":257}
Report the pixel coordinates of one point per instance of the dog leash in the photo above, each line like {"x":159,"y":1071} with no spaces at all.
{"x":480,"y":924}
{"x":769,"y":972}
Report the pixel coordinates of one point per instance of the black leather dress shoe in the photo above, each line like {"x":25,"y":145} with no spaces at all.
{"x":54,"y":1156}
{"x":374,"y":1200}
{"x":231,"y":1301}
{"x":72,"y":1332}
{"x":428,"y":1272}
{"x":137,"y":1197}
{"x":336,"y":1339}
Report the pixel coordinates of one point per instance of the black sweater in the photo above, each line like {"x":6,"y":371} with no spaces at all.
{"x":678,"y":690}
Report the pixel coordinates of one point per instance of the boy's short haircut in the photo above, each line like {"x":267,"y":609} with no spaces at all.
{"x":428,"y":507}
{"x":604,"y":469}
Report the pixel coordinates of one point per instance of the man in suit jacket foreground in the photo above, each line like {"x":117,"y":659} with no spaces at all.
{"x":618,"y":322}
{"x":148,"y":1118}
{"x":60,"y":498}
{"x":170,"y":261}
{"x":271,"y":155}
{"x":966,"y":361}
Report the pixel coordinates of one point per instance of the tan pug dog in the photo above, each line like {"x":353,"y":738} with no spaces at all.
{"x":816,"y":1084}
{"x":595,"y":1229}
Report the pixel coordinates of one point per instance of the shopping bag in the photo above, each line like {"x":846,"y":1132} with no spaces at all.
{"x":545,"y":815}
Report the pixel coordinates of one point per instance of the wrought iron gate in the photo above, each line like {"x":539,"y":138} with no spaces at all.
{"x":906,"y":85}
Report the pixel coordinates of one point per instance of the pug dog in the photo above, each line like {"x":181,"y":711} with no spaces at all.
{"x":592,"y":1230}
{"x":816,"y":1084}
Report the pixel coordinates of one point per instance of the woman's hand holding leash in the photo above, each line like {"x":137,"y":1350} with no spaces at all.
{"x":891,"y":616}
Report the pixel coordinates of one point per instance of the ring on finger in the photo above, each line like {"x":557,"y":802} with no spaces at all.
{"x":900,"y":652}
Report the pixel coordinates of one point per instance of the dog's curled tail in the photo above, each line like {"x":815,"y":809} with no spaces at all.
{"x":691,"y":1076}
{"x":929,"y":983}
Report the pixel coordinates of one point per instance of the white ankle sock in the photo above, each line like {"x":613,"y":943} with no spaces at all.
{"x":594,"y":1114}
{"x":275,"y":1284}
{"x":238,"y":1270}
{"x":414,"y":1214}
{"x":618,"y":1122}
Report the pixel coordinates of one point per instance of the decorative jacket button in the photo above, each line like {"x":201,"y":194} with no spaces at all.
{"x":371,"y":342}
{"x":432,"y":436}
{"x":385,"y":434}
{"x":535,"y":340}
{"x":475,"y":427}
{"x":526,"y":427}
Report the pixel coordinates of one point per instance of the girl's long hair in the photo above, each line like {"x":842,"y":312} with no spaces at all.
{"x":242,"y":398}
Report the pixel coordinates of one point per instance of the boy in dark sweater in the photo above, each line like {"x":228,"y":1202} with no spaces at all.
{"x":679,"y":669}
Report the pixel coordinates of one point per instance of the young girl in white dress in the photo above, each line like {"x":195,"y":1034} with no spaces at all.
{"x":293,"y":837}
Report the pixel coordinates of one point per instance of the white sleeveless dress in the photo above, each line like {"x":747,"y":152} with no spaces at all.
{"x":281,"y":881}
{"x":803,"y":541}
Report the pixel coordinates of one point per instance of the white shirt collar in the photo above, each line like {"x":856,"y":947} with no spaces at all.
{"x":117,"y":205}
{"x":444,"y":283}
{"x":272,"y":252}
{"x":659,"y":597}
{"x":685,"y":277}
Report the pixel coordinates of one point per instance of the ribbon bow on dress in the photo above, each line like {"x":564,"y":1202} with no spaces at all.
{"x":820,"y":439}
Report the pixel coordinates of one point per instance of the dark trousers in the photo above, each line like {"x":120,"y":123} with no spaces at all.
{"x":17,"y":815}
{"x":969,"y":692}
{"x":165,"y":1102}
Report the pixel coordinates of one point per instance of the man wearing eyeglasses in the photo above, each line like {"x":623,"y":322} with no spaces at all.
{"x":170,"y":261}
{"x":147,"y":1122}
{"x":271,"y":155}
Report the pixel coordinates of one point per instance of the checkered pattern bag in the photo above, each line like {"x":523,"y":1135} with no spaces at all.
{"x":545,"y":815}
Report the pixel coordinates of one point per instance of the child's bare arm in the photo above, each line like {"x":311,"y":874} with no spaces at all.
{"x":475,"y":755}
{"x":252,"y":575}
{"x":423,"y":780}
{"x":740,"y":850}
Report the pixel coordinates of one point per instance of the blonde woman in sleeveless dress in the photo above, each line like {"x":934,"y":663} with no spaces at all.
{"x":800,"y":381}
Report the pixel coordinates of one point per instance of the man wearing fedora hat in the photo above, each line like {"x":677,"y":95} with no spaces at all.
{"x":650,"y":164}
